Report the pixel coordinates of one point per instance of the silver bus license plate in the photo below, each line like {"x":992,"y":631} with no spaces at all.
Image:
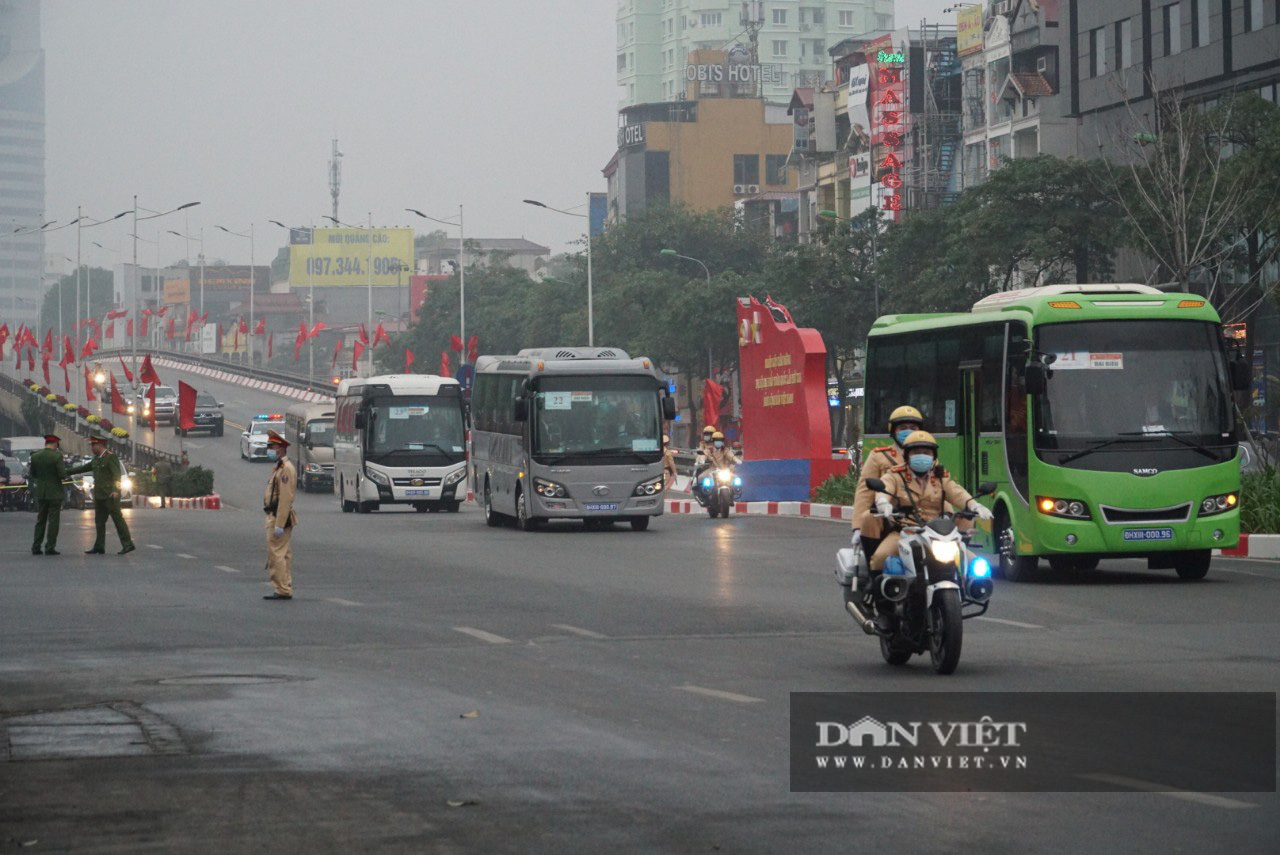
{"x":1131,"y":534}
{"x":601,"y":506}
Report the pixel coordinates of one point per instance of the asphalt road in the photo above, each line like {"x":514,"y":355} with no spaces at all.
{"x":441,"y":686}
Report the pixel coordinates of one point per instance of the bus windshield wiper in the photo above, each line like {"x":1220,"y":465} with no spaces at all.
{"x":1095,"y":447}
{"x":425,"y":446}
{"x":1179,"y":437}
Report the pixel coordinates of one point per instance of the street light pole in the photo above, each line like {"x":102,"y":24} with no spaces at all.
{"x":462,"y":273}
{"x":137,"y":318}
{"x":671,"y":253}
{"x":591,"y":330}
{"x":253,"y":281}
{"x":200,"y":315}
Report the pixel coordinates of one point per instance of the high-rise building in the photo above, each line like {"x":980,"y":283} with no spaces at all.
{"x":788,"y":39}
{"x":21,"y":160}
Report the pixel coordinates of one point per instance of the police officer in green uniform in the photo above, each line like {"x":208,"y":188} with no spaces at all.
{"x":107,"y":472}
{"x":45,"y":474}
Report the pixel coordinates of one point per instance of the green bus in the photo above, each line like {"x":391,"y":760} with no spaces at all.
{"x":1104,"y":413}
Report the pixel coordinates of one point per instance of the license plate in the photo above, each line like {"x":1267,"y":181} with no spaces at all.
{"x":417,"y":492}
{"x":601,"y":506}
{"x":1133,"y":534}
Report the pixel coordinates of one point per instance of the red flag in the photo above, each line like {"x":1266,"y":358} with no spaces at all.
{"x":408,"y":360}
{"x":473,"y":349}
{"x":47,"y":347}
{"x":244,"y":326}
{"x":147,"y":373}
{"x":356,"y":350}
{"x":68,"y":354}
{"x":159,"y":313}
{"x":118,"y":407}
{"x":204,"y":319}
{"x":455,"y":343}
{"x":235,"y":340}
{"x":143,"y":330}
{"x":4,"y":334}
{"x":66,"y":380}
{"x":111,"y":329}
{"x":128,"y":328}
{"x":260,"y":328}
{"x":712,"y":395}
{"x":44,"y":363}
{"x":89,"y":347}
{"x":151,"y":396}
{"x":186,"y":406}
{"x":380,"y":334}
{"x":445,"y":370}
{"x":88,"y":385}
{"x":111,"y":316}
{"x":364,"y":335}
{"x":333,"y":364}
{"x":128,"y":375}
{"x":297,"y":342}
{"x":169,"y":332}
{"x":315,"y":331}
{"x":271,"y":343}
{"x":31,"y":361}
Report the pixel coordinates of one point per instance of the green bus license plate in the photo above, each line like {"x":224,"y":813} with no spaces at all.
{"x":602,"y":506}
{"x":1148,"y":534}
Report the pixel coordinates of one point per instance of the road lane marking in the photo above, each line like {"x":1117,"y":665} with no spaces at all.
{"x":482,"y":635}
{"x":1161,"y":789}
{"x":185,"y":555}
{"x":722,"y":695}
{"x":1011,"y":622}
{"x":341,"y":602}
{"x":225,"y":569}
{"x":154,"y":546}
{"x":236,"y":426}
{"x":577,"y":630}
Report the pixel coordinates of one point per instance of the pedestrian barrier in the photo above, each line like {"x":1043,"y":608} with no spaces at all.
{"x":212,"y":502}
{"x":811,"y":510}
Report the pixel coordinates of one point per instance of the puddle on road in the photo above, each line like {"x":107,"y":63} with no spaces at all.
{"x":116,"y":729}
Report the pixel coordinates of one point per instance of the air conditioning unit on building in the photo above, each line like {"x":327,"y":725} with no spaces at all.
{"x":1004,"y":7}
{"x":693,"y":22}
{"x":753,"y":189}
{"x":739,"y":189}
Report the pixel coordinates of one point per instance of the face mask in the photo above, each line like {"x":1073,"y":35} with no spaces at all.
{"x":272,"y":454}
{"x":921,"y":463}
{"x":719,"y":444}
{"x":902,"y":435}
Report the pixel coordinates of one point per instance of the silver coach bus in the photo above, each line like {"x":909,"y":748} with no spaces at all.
{"x":568,"y":433}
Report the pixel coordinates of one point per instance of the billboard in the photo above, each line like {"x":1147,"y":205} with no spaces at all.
{"x":968,"y":30}
{"x":231,"y":277}
{"x":350,"y":256}
{"x":176,"y":292}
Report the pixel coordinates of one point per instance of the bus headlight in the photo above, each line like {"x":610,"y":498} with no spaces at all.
{"x":1072,"y":509}
{"x":549,"y":489}
{"x":455,"y":476}
{"x":649,"y":488}
{"x":1219,"y":504}
{"x":944,"y":551}
{"x":378,"y":477}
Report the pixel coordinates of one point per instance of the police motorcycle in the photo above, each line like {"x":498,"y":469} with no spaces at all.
{"x":717,"y":490}
{"x":916,"y":603}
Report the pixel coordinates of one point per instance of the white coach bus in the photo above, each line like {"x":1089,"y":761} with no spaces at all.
{"x":399,"y":439}
{"x":568,"y":433}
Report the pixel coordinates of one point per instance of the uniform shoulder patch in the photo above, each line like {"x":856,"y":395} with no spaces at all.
{"x":888,"y":450}
{"x":900,"y":468}
{"x":284,"y":478}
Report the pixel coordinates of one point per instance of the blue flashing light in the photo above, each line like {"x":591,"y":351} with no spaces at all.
{"x":980,"y":568}
{"x":706,"y":482}
{"x":737,"y":482}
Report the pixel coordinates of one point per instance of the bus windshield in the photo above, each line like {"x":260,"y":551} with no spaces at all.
{"x":415,"y":426}
{"x":1133,"y":381}
{"x":320,"y":433}
{"x":597,"y":419}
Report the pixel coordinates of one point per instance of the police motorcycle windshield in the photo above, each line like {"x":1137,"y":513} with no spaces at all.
{"x":942,"y":525}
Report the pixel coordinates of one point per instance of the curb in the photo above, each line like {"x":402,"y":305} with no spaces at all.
{"x":809,"y":510}
{"x":212,"y":502}
{"x":1254,"y":546}
{"x":240,"y":380}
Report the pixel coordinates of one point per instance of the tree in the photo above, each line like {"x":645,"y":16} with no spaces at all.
{"x":99,"y":283}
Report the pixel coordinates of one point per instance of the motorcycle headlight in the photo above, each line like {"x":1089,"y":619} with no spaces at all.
{"x":648,"y":488}
{"x":549,"y":489}
{"x":724,"y":476}
{"x":126,"y":483}
{"x":455,"y":476}
{"x":131,"y":408}
{"x":378,"y":478}
{"x":944,"y":551}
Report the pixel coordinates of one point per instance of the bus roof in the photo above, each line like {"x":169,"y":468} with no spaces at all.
{"x":306,"y":412}
{"x":398,"y":384}
{"x":1063,"y":304}
{"x":567,"y":360}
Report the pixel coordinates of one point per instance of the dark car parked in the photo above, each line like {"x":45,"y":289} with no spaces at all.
{"x":208,"y":415}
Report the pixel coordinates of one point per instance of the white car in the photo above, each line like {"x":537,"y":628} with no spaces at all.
{"x":253,"y":442}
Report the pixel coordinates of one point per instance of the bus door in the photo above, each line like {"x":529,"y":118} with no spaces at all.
{"x":971,"y":472}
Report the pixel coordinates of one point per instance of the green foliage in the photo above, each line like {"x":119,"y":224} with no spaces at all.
{"x":1260,"y":502}
{"x":192,"y":481}
{"x":101,"y":290}
{"x":838,"y":489}
{"x":38,"y":417}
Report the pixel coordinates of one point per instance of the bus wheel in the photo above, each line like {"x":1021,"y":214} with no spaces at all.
{"x":491,"y":517}
{"x":523,"y":521}
{"x":1193,"y":565}
{"x":1013,"y":567}
{"x":640,"y":523}
{"x":347,"y":507}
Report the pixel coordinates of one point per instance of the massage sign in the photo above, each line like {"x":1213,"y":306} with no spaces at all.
{"x":889,"y":117}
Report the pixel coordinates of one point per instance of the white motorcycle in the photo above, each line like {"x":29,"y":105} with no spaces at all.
{"x":917,"y":603}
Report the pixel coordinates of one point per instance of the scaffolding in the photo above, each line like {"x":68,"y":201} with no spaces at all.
{"x":932,"y":175}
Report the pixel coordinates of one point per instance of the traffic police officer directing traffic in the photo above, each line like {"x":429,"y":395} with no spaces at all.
{"x":277,"y":504}
{"x":45,"y":475}
{"x":107,"y":473}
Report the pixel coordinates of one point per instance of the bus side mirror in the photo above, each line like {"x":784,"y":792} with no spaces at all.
{"x":1241,"y":375}
{"x":520,"y":412}
{"x":986,"y":488}
{"x":1036,"y":376}
{"x":668,"y":408}
{"x":361,"y":420}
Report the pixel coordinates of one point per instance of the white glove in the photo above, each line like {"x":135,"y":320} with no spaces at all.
{"x":883,"y":505}
{"x":857,"y":538}
{"x":279,"y":532}
{"x":983,"y":512}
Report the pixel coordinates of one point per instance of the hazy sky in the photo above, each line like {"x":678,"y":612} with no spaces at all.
{"x":234,"y":103}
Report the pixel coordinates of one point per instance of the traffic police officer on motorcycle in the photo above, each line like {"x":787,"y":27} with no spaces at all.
{"x":921,"y":484}
{"x":867,"y":527}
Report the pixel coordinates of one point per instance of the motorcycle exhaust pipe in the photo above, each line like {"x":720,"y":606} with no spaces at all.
{"x":979,"y":590}
{"x":894,"y":588}
{"x":867,"y":624}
